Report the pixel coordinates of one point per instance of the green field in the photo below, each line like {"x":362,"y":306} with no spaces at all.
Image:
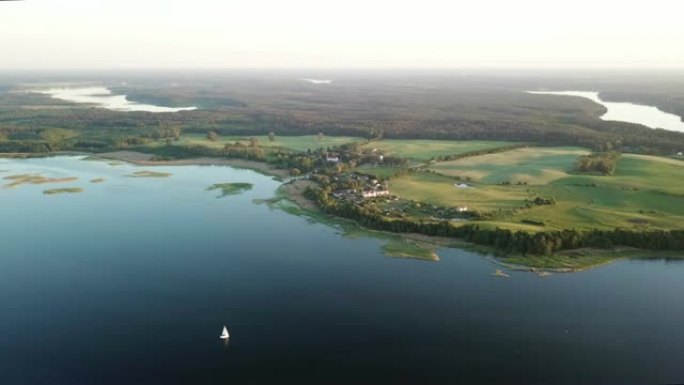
{"x":379,"y":171}
{"x":423,"y":150}
{"x":295,"y":143}
{"x":532,"y":165}
{"x":640,"y":172}
{"x":646,"y":192}
{"x":441,"y":190}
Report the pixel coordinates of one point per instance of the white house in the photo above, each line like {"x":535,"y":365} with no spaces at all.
{"x":374,"y":193}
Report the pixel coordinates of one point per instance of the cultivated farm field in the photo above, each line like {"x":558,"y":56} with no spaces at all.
{"x":645,"y":192}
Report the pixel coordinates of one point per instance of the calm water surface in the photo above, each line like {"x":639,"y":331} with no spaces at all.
{"x":628,"y":112}
{"x":131,"y":281}
{"x":103,"y":97}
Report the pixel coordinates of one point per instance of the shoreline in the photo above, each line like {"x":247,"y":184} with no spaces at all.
{"x":605,"y":257}
{"x":293,"y":191}
{"x":142,"y":159}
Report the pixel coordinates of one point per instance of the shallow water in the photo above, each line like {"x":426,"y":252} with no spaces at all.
{"x":102,"y":97}
{"x":628,"y":112}
{"x":132,"y":280}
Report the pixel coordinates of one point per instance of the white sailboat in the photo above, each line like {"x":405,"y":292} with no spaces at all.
{"x":224,"y":334}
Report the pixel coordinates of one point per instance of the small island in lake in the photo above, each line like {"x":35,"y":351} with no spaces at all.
{"x":18,"y":180}
{"x":230,"y":188}
{"x":149,"y":174}
{"x":64,"y":190}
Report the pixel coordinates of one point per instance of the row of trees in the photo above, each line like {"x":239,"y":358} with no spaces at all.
{"x":93,"y":125}
{"x":549,"y":242}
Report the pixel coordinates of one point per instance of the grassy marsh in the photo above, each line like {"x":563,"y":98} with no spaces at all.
{"x":230,"y":188}
{"x":64,"y":190}
{"x":149,"y":174}
{"x":34,"y":179}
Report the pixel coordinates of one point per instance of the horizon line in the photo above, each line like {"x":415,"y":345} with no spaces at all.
{"x":349,"y":68}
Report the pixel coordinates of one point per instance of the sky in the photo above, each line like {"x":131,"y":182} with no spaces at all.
{"x":113,"y":34}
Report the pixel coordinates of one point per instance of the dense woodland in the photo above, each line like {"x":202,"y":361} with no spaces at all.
{"x":438,"y":106}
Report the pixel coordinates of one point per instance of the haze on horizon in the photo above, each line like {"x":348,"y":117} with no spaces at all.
{"x":119,"y":34}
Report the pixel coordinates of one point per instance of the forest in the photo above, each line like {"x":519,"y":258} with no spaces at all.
{"x":369,"y":105}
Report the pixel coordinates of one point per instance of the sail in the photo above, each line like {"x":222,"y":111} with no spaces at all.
{"x":224,"y":334}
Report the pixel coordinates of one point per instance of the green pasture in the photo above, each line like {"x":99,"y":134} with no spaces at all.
{"x":379,"y":171}
{"x":295,"y":143}
{"x":646,"y":192}
{"x":441,"y":190}
{"x":532,"y":165}
{"x":424,"y":150}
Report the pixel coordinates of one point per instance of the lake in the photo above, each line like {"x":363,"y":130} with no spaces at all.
{"x":102,"y":97}
{"x":131,"y":281}
{"x":628,"y":112}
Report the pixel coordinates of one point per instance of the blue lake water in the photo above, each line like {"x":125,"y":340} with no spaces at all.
{"x":648,"y":116}
{"x":131,"y":281}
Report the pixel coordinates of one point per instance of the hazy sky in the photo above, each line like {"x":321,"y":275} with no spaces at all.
{"x":339,"y":33}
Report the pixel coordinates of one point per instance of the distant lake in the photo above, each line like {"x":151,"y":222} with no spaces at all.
{"x":102,"y":97}
{"x":318,"y":81}
{"x":131,"y":280}
{"x":628,"y":112}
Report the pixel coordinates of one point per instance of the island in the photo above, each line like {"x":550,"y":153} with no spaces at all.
{"x":63,"y":190}
{"x":230,"y":188}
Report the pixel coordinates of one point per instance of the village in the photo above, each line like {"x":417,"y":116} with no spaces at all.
{"x":368,"y":191}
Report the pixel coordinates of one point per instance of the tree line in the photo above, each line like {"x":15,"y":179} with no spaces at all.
{"x":102,"y":129}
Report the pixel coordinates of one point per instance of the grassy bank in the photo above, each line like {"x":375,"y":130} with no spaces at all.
{"x":144,"y":159}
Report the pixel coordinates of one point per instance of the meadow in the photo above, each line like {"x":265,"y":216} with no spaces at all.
{"x":424,"y":150}
{"x":295,"y":143}
{"x":531,"y":165}
{"x":644,"y":193}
